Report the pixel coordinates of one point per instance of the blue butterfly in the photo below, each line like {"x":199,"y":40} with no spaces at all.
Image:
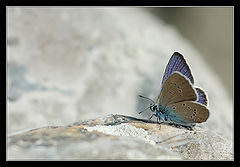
{"x":179,"y":102}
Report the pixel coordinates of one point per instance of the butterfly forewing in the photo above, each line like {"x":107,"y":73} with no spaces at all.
{"x":191,"y":112}
{"x":177,"y":63}
{"x":176,"y":88}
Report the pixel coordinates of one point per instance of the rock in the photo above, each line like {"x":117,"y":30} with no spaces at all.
{"x":118,"y":137}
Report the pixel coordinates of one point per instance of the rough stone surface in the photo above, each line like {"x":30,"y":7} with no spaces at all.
{"x":119,"y":137}
{"x":70,"y":64}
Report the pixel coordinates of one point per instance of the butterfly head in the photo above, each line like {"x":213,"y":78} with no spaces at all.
{"x":153,"y":107}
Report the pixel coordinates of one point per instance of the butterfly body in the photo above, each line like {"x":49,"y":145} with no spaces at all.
{"x":179,"y":102}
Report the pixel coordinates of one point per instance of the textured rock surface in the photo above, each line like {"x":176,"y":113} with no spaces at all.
{"x":68,"y":64}
{"x":119,"y":137}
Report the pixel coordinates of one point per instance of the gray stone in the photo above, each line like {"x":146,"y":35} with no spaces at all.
{"x":118,"y":137}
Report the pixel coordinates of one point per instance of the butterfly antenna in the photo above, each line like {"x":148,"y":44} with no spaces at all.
{"x":146,"y":98}
{"x":143,"y":110}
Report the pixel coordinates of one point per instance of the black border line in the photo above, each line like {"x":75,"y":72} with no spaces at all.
{"x":130,"y":3}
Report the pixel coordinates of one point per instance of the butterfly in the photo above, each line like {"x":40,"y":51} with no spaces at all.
{"x":179,"y":102}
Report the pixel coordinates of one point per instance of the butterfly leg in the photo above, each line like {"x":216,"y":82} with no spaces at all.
{"x":158,"y":121}
{"x":189,"y":127}
{"x":151,"y":117}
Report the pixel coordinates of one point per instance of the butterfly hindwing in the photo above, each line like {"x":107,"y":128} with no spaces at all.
{"x":187,"y":112}
{"x":176,"y":88}
{"x":177,"y":63}
{"x":202,"y":98}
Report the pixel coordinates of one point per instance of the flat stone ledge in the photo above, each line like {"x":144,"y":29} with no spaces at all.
{"x":118,"y":137}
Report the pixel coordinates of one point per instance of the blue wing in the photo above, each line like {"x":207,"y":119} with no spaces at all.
{"x":177,"y":63}
{"x":202,"y":98}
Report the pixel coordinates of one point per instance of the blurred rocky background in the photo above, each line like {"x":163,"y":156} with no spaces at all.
{"x":70,"y":64}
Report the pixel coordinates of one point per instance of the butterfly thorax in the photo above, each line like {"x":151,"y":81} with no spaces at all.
{"x":160,"y":112}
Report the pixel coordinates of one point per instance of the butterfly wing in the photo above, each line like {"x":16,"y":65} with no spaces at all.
{"x":177,"y":63}
{"x":202,"y":98}
{"x":177,"y":88}
{"x":187,"y":112}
